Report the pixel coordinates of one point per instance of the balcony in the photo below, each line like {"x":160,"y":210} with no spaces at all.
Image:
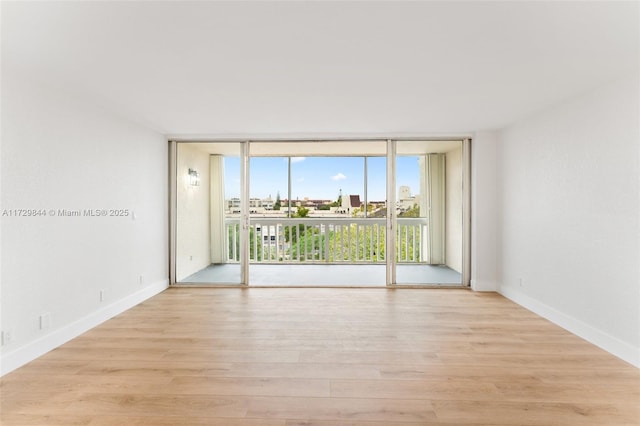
{"x":326,"y":240}
{"x":326,"y":252}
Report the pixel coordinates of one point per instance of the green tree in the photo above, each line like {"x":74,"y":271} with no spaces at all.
{"x":278,"y":202}
{"x":408,"y":242}
{"x":309,"y":245}
{"x":412,"y":212}
{"x":353,"y":242}
{"x":289,"y":234}
{"x":358,"y":243}
{"x":301,"y":212}
{"x":255,"y":245}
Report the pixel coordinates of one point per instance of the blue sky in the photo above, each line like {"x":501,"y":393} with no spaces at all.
{"x":319,"y":177}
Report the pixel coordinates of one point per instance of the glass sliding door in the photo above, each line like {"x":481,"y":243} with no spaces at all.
{"x":376,"y":208}
{"x":428,"y":209}
{"x":208,"y":213}
{"x":268,"y":202}
{"x":329,"y":229}
{"x":320,"y":213}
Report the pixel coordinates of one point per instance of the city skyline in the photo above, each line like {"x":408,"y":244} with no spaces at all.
{"x":320,"y":177}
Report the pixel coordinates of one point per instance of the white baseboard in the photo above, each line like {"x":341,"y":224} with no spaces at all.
{"x":609,"y":343}
{"x":481,"y":285}
{"x":27,"y":353}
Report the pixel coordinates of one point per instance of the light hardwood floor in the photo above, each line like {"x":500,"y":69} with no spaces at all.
{"x":326,"y":357}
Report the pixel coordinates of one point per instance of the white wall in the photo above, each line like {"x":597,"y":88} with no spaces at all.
{"x":61,"y":152}
{"x":453,"y":209}
{"x":484,"y":212}
{"x":193,"y":227}
{"x":569,"y":216}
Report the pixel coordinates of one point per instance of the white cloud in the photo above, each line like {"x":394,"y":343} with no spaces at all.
{"x":339,"y":176}
{"x":297,"y":159}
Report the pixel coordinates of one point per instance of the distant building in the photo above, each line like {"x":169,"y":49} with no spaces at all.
{"x":263,"y":207}
{"x":404,"y":192}
{"x":405,"y":200}
{"x":233,"y":205}
{"x":256,"y":205}
{"x":255,"y":202}
{"x":349,"y":203}
{"x":315,"y":204}
{"x":267,"y":203}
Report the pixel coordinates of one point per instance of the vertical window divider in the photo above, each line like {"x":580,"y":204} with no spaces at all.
{"x":366,"y":211}
{"x":391,"y":213}
{"x":244,"y":212}
{"x":289,"y":190}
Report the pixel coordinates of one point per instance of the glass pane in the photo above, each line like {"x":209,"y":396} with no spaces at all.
{"x":232,"y":208}
{"x":429,"y":213}
{"x":208,"y":213}
{"x":327,"y":237}
{"x":319,"y":184}
{"x":267,"y":204}
{"x":376,"y":187}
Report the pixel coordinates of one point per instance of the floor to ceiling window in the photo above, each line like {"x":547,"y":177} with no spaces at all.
{"x":318,"y":213}
{"x":208,"y":204}
{"x":429,"y":212}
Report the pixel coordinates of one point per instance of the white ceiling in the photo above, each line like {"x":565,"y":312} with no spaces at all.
{"x":321,"y":68}
{"x":324,"y":148}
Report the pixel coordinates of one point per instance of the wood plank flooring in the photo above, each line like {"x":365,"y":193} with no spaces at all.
{"x":324,"y":357}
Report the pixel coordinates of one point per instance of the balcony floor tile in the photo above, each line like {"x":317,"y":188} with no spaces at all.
{"x":314,"y":275}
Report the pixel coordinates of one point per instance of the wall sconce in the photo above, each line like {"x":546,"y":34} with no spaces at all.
{"x":194,"y":178}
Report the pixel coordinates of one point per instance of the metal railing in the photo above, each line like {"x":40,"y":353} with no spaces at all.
{"x":326,"y":240}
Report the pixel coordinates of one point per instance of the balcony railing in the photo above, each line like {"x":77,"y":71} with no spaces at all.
{"x":332,"y":240}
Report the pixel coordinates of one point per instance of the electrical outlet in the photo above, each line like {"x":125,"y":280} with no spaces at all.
{"x":7,"y":336}
{"x":191,"y":257}
{"x":141,"y":279}
{"x":45,"y":321}
{"x":103,"y":295}
{"x":521,"y":282}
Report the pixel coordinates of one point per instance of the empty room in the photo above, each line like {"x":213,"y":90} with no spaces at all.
{"x":288,"y":213}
